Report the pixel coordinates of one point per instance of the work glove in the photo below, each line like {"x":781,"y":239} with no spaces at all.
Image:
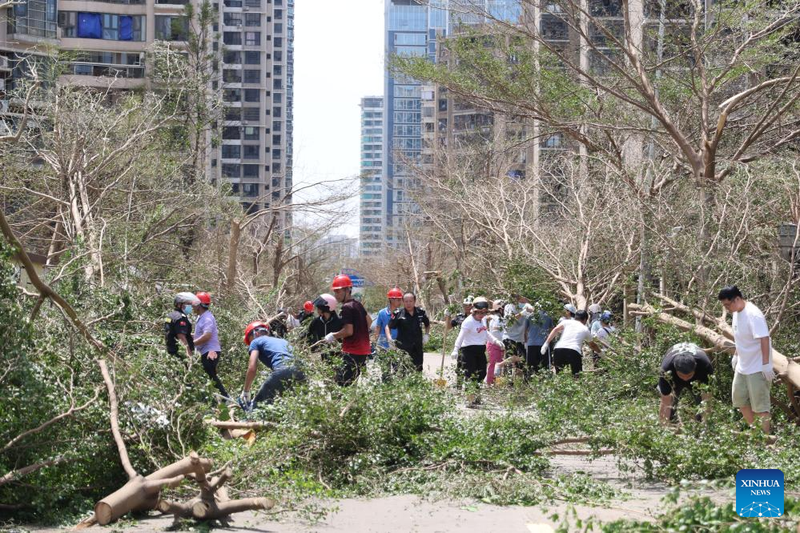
{"x":545,"y":346}
{"x":245,"y":396}
{"x":454,"y":354}
{"x":768,"y":373}
{"x":734,"y":362}
{"x":329,"y":337}
{"x":244,"y":402}
{"x":425,"y":338}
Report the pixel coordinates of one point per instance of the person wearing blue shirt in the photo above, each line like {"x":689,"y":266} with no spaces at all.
{"x":395,"y":297}
{"x":277,"y":355}
{"x":539,"y":326}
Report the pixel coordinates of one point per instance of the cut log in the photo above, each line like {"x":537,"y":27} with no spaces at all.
{"x":786,"y":368}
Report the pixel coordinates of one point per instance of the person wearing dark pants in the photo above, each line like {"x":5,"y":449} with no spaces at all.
{"x":471,"y":342}
{"x":413,"y":328}
{"x":277,"y":355}
{"x":354,"y":334}
{"x":539,"y":325}
{"x":206,"y":340}
{"x":568,"y":349}
{"x":683,"y":364}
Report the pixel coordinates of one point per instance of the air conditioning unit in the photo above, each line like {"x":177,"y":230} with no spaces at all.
{"x":238,"y":26}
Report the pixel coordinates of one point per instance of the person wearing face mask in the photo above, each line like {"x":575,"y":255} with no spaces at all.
{"x":178,"y":327}
{"x":206,"y":339}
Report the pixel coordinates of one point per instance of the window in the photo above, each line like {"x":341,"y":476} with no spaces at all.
{"x":278,"y":55}
{"x":233,"y":113}
{"x":276,"y":154}
{"x":232,"y":95}
{"x":276,"y":140}
{"x":252,"y":38}
{"x":276,"y":112}
{"x":251,"y":133}
{"x":232,"y":19}
{"x":250,"y":152}
{"x":252,"y":76}
{"x":278,"y":28}
{"x":278,"y":42}
{"x":231,"y":132}
{"x":276,"y":167}
{"x":34,"y":17}
{"x":277,"y":98}
{"x":232,"y":76}
{"x":232,"y":58}
{"x":252,"y":95}
{"x":252,"y":20}
{"x":171,"y":28}
{"x":233,"y":3}
{"x":231,"y":171}
{"x":277,"y":70}
{"x":231,"y":151}
{"x":101,"y":26}
{"x":232,"y":38}
{"x":252,"y":3}
{"x":278,"y":14}
{"x":276,"y":125}
{"x":250,"y":171}
{"x":251,"y":113}
{"x":252,"y":58}
{"x":277,"y":84}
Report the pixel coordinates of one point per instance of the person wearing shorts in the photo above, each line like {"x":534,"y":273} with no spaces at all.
{"x":752,"y":364}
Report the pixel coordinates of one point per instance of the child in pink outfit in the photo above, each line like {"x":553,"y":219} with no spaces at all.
{"x":495,"y":327}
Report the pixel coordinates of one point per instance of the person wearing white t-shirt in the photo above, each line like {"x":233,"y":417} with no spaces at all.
{"x":752,"y":364}
{"x":470,"y":347}
{"x":574,"y":334}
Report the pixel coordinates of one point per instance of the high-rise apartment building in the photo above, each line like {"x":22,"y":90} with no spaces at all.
{"x":110,"y":39}
{"x":371,"y":189}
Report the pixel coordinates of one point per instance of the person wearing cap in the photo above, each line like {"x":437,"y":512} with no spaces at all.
{"x":683,"y":364}
{"x":206,"y":340}
{"x":466,"y":307}
{"x":326,"y":320}
{"x":539,"y":326}
{"x":569,"y":313}
{"x":410,"y":321}
{"x":178,"y":327}
{"x":752,"y":364}
{"x":354,"y":334}
{"x":569,"y":348}
{"x":495,"y":324}
{"x":383,"y":332}
{"x":602,"y":333}
{"x":276,"y":354}
{"x":594,"y":318}
{"x":470,"y":346}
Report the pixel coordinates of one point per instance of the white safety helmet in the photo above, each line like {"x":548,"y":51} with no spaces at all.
{"x":186,"y":298}
{"x":329,"y":299}
{"x":571,"y":308}
{"x":468,"y":300}
{"x":595,"y":308}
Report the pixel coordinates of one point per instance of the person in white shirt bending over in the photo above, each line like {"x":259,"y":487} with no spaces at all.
{"x":568,"y":348}
{"x":752,"y":364}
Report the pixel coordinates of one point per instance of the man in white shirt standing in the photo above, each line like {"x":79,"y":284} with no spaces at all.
{"x":752,"y":364}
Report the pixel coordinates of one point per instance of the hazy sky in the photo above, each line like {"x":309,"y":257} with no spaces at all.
{"x":338,"y":60}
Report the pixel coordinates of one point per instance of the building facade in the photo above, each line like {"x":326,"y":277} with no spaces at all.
{"x":371,"y":188}
{"x":109,"y":41}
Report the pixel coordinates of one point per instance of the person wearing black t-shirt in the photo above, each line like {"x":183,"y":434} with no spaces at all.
{"x":410,"y":321}
{"x":683,"y":364}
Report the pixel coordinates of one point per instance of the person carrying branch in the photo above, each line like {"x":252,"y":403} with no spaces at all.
{"x":178,"y":327}
{"x":568,"y":349}
{"x":683,"y":364}
{"x":276,"y":354}
{"x":752,"y":364}
{"x":354,"y":334}
{"x":413,"y":329}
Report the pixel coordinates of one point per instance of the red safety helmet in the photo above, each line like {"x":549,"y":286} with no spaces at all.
{"x":341,"y":281}
{"x":308,"y":306}
{"x":394,"y":293}
{"x":204,"y":298}
{"x":252,"y":326}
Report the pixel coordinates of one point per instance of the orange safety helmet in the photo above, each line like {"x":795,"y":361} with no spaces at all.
{"x":341,"y":281}
{"x":204,"y":298}
{"x":308,"y":306}
{"x":394,"y":293}
{"x":252,"y":326}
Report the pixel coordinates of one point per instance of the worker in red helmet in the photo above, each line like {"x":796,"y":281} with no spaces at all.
{"x":306,"y":313}
{"x":354,"y":334}
{"x":277,"y":355}
{"x":384,"y":335}
{"x":206,"y":340}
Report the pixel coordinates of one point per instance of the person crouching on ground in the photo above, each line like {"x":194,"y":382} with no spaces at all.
{"x":277,"y":355}
{"x":471,"y":343}
{"x":683,"y":364}
{"x":568,"y":349}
